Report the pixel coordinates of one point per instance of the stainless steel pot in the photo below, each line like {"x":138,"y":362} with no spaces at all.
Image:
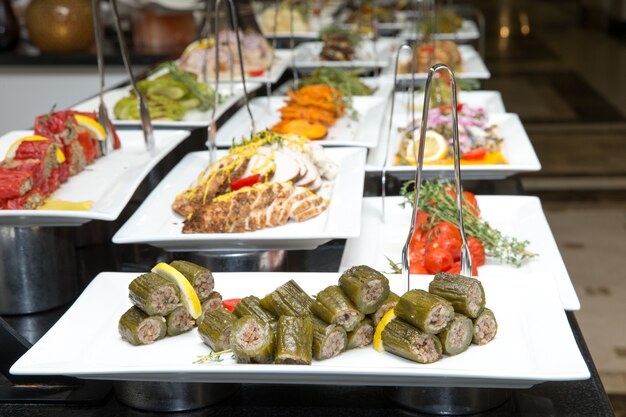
{"x":171,"y":396}
{"x":38,"y":269}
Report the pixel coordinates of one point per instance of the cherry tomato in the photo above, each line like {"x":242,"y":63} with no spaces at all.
{"x":245,"y":182}
{"x":256,"y":72}
{"x":418,"y":268}
{"x":416,"y":252}
{"x":443,"y":230}
{"x":231,"y":303}
{"x":421,"y":220}
{"x":448,"y":244}
{"x":477,"y":251}
{"x":438,"y":260}
{"x":470,"y":201}
{"x":475,"y":154}
{"x":456,"y":269}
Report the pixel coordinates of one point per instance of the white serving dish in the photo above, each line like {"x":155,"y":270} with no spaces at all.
{"x":518,"y":216}
{"x":307,"y":55}
{"x":109,"y":182}
{"x":517,"y":149}
{"x":534,"y":343}
{"x":156,"y":224}
{"x":467,"y":32}
{"x":233,"y":93}
{"x":364,"y":132}
{"x":473,"y":66}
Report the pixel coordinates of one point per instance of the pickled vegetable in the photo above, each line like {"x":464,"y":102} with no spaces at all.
{"x":329,"y":340}
{"x":428,"y":312}
{"x":288,"y":300}
{"x":294,"y":341}
{"x":161,"y":108}
{"x":485,"y":327}
{"x":200,"y":278}
{"x":366,"y":288}
{"x":334,"y":307}
{"x":251,"y":306}
{"x":402,"y":339}
{"x":179,"y":321}
{"x":466,"y":295}
{"x":252,"y":340}
{"x":389,"y":303}
{"x":138,"y":328}
{"x":457,"y":336}
{"x":154,"y":294}
{"x":215,"y":328}
{"x":362,"y":335}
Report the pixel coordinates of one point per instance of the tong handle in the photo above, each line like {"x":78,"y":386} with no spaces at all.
{"x":144,"y":112}
{"x":466,"y":261}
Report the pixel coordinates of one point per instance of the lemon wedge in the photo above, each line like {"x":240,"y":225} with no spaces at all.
{"x":378,"y":338}
{"x":13,"y":148}
{"x":187,"y":293}
{"x":435,"y":148}
{"x":32,"y":138}
{"x":201,"y":43}
{"x":95,"y":128}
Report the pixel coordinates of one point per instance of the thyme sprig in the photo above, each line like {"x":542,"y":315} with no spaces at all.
{"x":212,"y":357}
{"x":441,"y":205}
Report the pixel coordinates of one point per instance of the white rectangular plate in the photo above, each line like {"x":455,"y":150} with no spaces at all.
{"x":155,"y":223}
{"x":109,"y":182}
{"x":308,"y":55}
{"x":473,"y":66}
{"x":191,"y":119}
{"x":363,"y":132}
{"x":534,"y":342}
{"x":272,"y":75}
{"x":467,"y":32}
{"x":490,"y":101}
{"x":517,"y":216}
{"x":517,"y":149}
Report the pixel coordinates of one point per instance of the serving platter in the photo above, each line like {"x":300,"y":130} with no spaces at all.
{"x":307,"y":56}
{"x":109,"y":182}
{"x":490,"y":101}
{"x":467,"y":32}
{"x":517,"y":149}
{"x":156,"y":224}
{"x":518,"y":216}
{"x":534,"y":342}
{"x":473,"y":66}
{"x":363,"y":132}
{"x":232,"y":94}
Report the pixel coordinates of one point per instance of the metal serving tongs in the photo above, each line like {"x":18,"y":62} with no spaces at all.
{"x":212,"y":133}
{"x":103,"y":116}
{"x":144,"y":112}
{"x":268,"y":83}
{"x":383,"y":174}
{"x":466,"y":261}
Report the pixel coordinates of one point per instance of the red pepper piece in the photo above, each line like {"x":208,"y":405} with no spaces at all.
{"x":245,"y":182}
{"x":231,"y":303}
{"x":14,"y":183}
{"x":475,"y":154}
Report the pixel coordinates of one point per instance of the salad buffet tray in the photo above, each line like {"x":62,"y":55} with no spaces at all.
{"x":518,"y":216}
{"x":473,"y":66}
{"x":85,"y":342}
{"x":516,"y":148}
{"x":107,"y":185}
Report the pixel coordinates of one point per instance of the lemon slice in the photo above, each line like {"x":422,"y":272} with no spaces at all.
{"x":66,"y":205}
{"x":13,"y":148}
{"x":95,"y":128}
{"x":378,"y":339}
{"x":202,"y":43}
{"x":435,"y":148}
{"x":187,"y":293}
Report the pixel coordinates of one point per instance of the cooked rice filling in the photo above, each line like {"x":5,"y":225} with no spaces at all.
{"x":457,"y":334}
{"x":364,"y":335}
{"x":373,"y":290}
{"x":425,"y":349}
{"x":484,"y":329}
{"x":251,"y":336}
{"x":475,"y":299}
{"x":334,"y":344}
{"x":204,"y":285}
{"x":438,"y":317}
{"x":347,"y":319}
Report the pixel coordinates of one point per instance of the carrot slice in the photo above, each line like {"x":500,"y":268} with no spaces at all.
{"x":303,"y":127}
